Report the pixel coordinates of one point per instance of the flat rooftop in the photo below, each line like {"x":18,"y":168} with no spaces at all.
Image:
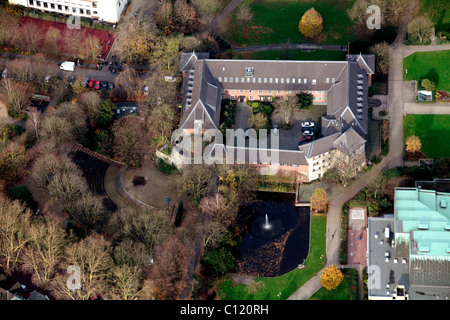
{"x":384,"y":275}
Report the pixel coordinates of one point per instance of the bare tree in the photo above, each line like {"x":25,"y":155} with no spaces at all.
{"x":40,"y":65}
{"x":420,"y":27}
{"x":34,"y":118}
{"x":128,"y":85}
{"x":73,"y":40}
{"x":90,"y":102}
{"x":52,"y":38}
{"x":45,"y":249}
{"x":14,"y":235}
{"x":90,"y":211}
{"x":382,"y":53}
{"x":168,"y":270}
{"x":131,"y":140}
{"x":91,"y":48}
{"x":21,"y":67}
{"x":93,"y":258}
{"x":185,"y":17}
{"x":125,"y":282}
{"x":31,"y":36}
{"x":149,"y":227}
{"x":68,"y":188}
{"x":8,"y":28}
{"x":16,"y":95}
{"x":197,"y":182}
{"x":13,"y":161}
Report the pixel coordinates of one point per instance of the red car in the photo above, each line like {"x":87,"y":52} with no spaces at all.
{"x":91,"y":83}
{"x":306,"y":138}
{"x":97,"y":85}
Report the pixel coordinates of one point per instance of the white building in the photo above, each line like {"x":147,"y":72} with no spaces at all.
{"x":103,"y":10}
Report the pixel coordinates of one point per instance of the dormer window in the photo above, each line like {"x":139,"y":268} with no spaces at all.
{"x":249,"y":71}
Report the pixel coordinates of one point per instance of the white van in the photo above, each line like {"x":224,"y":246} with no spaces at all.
{"x":67,"y":66}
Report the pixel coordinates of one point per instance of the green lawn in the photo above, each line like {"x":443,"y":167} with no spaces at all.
{"x":438,"y":11}
{"x":347,"y":290}
{"x":277,"y":21}
{"x":434,"y":65}
{"x":280,"y":288}
{"x":433,"y":131}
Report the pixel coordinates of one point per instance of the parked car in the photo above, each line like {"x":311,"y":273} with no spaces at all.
{"x":85,"y":82}
{"x":111,"y":85}
{"x":146,"y":90}
{"x":307,"y":125}
{"x":91,"y":83}
{"x":304,"y":140}
{"x":105,"y":85}
{"x":5,"y":73}
{"x":97,"y":85}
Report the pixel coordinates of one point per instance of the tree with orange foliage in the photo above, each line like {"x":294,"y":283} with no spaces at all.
{"x":319,"y":200}
{"x":331,"y":277}
{"x":413,"y":143}
{"x":311,"y":23}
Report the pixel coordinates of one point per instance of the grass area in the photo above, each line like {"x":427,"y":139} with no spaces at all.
{"x":347,"y":290}
{"x":432,"y":65}
{"x":277,"y":22}
{"x":438,"y":11}
{"x":433,"y":131}
{"x":318,"y":55}
{"x":280,"y":288}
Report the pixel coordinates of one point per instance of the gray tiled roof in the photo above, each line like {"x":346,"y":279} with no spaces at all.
{"x":319,"y":146}
{"x":285,"y":75}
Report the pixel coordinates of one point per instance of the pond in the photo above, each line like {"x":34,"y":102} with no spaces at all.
{"x":278,"y":235}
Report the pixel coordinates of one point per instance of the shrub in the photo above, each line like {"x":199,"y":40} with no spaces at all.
{"x":166,"y":167}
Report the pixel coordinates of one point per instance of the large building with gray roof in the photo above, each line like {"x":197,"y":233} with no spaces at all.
{"x":341,"y":85}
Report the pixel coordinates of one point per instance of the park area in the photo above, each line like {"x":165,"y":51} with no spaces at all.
{"x":273,"y":21}
{"x":433,"y":65}
{"x":282,"y":287}
{"x":433,"y":132}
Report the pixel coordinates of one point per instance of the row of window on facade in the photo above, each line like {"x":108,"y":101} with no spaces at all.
{"x":60,"y":7}
{"x":271,"y":80}
{"x":264,"y":98}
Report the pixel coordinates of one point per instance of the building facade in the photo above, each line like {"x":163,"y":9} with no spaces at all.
{"x":102,"y":10}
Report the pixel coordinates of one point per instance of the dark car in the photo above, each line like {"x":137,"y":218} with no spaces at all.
{"x":105,"y":85}
{"x":111,"y":85}
{"x":91,"y":83}
{"x":97,"y":85}
{"x":304,"y":140}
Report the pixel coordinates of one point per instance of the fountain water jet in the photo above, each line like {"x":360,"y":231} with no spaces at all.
{"x":267,"y":224}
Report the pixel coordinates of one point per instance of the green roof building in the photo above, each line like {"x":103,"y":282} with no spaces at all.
{"x":422,"y":230}
{"x":410,"y":249}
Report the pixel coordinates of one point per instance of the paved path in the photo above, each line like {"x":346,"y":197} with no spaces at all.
{"x":291,"y":46}
{"x":217,"y":21}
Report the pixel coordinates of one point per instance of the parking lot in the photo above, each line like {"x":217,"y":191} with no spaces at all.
{"x":288,"y":139}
